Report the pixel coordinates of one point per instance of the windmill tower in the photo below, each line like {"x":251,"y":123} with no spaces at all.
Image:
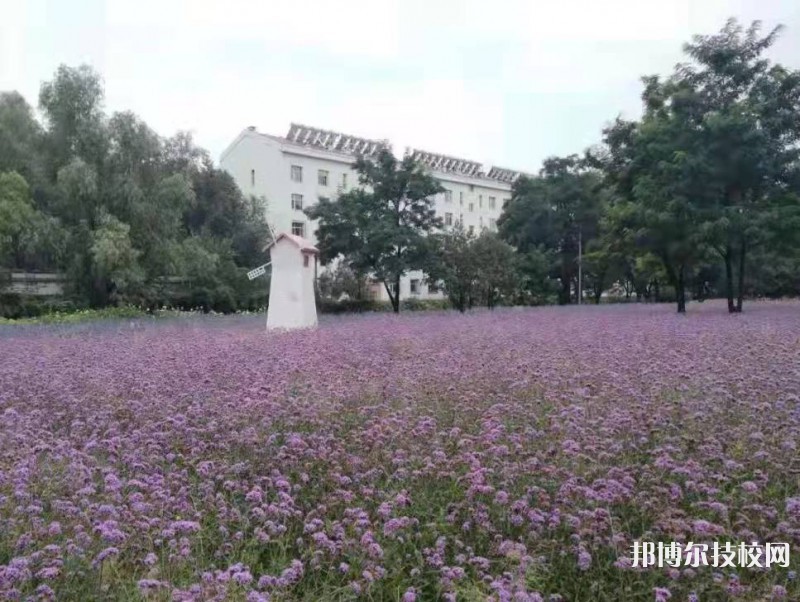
{"x":292,"y":302}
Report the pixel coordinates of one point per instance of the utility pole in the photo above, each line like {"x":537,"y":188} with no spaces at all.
{"x":580,"y":266}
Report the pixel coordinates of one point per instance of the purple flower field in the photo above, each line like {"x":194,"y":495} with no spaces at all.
{"x":513,"y":455}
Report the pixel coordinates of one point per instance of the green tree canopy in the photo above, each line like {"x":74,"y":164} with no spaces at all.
{"x":381,"y":226}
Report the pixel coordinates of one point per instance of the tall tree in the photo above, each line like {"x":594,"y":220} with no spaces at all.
{"x":496,"y":262}
{"x":555,"y":212}
{"x":381,"y":226}
{"x":656,"y":183}
{"x":751,"y":126}
{"x":16,"y":217}
{"x":20,"y":136}
{"x":451,"y":263}
{"x":72,"y":105}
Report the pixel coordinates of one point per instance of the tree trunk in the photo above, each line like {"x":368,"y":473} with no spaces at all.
{"x":742,"y":256}
{"x":656,"y":291}
{"x":393,"y":299}
{"x":565,"y":295}
{"x":680,"y":289}
{"x":728,"y":257}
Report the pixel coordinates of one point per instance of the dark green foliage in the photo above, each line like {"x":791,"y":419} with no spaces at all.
{"x":380,"y":227}
{"x":472,"y":270}
{"x":130,"y":217}
{"x":548,"y":217}
{"x":711,"y":171}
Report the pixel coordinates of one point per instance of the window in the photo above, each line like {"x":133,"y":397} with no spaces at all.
{"x":415,"y":286}
{"x":433,"y":288}
{"x":480,"y":222}
{"x":448,"y":219}
{"x":299,"y":229}
{"x":344,"y":181}
{"x":252,"y":177}
{"x":305,"y":260}
{"x":472,"y":188}
{"x":322,"y":177}
{"x":471,"y":230}
{"x":492,"y":224}
{"x":448,"y":196}
{"x":472,"y":206}
{"x":461,"y":198}
{"x":505,"y":201}
{"x":461,"y":218}
{"x":297,"y":201}
{"x":492,"y":202}
{"x":324,"y":199}
{"x":297,"y":173}
{"x":480,"y":201}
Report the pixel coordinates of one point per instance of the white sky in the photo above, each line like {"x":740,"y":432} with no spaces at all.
{"x":505,"y":82}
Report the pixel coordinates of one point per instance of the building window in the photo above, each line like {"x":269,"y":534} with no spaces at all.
{"x":448,"y":196}
{"x":322,"y":177}
{"x":433,"y":288}
{"x":480,"y":222}
{"x":324,"y":199}
{"x":471,"y":230}
{"x":461,"y":218}
{"x":297,"y":173}
{"x":299,"y":229}
{"x":461,"y":198}
{"x":492,"y":202}
{"x":472,"y":188}
{"x":480,"y":201}
{"x":415,"y":286}
{"x":305,"y":260}
{"x":472,"y":206}
{"x":252,"y":177}
{"x":506,"y":201}
{"x":448,"y":219}
{"x":297,"y":201}
{"x":344,"y":181}
{"x":492,"y":224}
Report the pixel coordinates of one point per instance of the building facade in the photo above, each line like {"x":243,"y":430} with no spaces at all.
{"x":293,"y":172}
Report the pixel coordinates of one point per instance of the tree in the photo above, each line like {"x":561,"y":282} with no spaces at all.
{"x":380,"y":227}
{"x":341,"y":281}
{"x":17,"y":217}
{"x":72,"y":105}
{"x":750,"y":128}
{"x":656,"y":181}
{"x":716,"y":146}
{"x":496,"y":264}
{"x":451,"y":262}
{"x":115,"y":266}
{"x":553,"y":212}
{"x":19,"y":136}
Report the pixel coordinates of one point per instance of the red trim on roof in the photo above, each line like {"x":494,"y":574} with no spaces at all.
{"x":301,"y":243}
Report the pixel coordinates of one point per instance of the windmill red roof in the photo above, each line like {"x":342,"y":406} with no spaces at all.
{"x":304,"y":245}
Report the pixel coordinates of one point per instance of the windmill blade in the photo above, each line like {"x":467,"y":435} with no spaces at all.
{"x":259,"y":271}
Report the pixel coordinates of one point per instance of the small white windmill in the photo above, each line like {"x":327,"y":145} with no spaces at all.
{"x":292,"y":303}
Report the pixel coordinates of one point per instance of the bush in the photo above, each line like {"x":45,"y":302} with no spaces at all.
{"x":414,"y":304}
{"x":348,"y":306}
{"x":11,"y":306}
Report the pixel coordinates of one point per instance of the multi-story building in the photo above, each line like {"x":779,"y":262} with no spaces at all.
{"x":293,"y":172}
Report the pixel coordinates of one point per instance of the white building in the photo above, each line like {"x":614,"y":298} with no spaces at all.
{"x":293,"y":172}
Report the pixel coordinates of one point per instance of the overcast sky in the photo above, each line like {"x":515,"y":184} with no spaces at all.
{"x":503,"y":82}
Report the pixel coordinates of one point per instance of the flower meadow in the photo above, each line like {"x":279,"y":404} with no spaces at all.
{"x":506,"y":455}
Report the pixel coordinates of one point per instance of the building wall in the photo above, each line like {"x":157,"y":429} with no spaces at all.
{"x":262,"y":166}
